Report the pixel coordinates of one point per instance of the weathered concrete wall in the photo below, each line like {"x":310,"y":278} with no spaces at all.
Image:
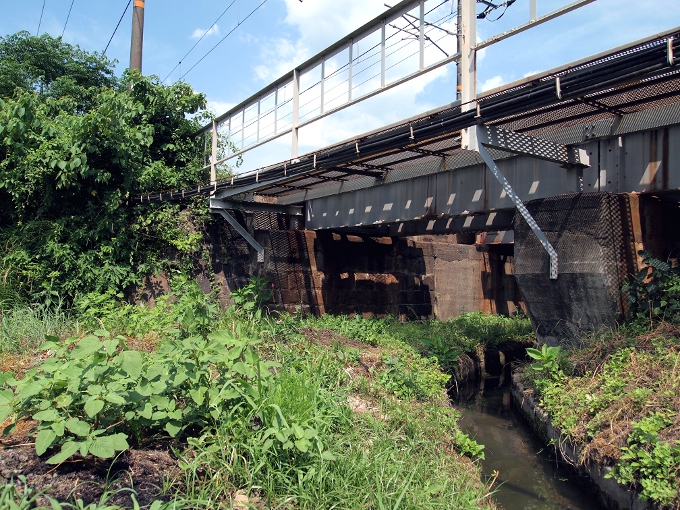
{"x":323,"y":272}
{"x":596,"y":236}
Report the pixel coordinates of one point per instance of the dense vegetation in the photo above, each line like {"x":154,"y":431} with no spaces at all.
{"x":254,"y":410}
{"x":285,"y":410}
{"x":75,"y":144}
{"x":618,"y":395}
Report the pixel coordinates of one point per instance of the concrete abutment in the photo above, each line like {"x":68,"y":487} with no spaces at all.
{"x":597,"y":236}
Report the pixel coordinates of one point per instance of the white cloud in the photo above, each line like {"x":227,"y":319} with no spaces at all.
{"x":492,"y":83}
{"x":213,"y":30}
{"x":278,"y":56}
{"x":220,"y":107}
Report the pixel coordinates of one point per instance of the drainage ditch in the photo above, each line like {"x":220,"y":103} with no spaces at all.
{"x":528,"y":475}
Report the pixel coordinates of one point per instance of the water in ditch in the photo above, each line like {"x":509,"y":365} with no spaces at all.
{"x":529,"y":477}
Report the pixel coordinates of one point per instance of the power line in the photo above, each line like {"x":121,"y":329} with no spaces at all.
{"x":67,"y":17}
{"x":116,"y":29}
{"x":179,"y":64}
{"x":41,"y":16}
{"x":221,"y":40}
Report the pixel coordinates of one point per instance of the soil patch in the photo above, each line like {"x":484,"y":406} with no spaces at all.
{"x":145,"y":471}
{"x":370,"y":357}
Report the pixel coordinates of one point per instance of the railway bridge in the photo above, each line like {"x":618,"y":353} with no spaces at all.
{"x":535,"y":196}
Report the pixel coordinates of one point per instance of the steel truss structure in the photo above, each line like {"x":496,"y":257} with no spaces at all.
{"x":527,"y":117}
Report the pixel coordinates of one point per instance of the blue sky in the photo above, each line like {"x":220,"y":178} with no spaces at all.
{"x":282,"y":33}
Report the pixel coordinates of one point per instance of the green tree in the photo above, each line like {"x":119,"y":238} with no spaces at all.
{"x":49,"y":66}
{"x":69,"y":166}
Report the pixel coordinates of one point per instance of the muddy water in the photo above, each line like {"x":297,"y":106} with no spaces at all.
{"x":529,"y":477}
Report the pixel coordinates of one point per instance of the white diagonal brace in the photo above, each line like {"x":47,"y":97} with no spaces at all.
{"x":250,"y":239}
{"x":483,"y":139}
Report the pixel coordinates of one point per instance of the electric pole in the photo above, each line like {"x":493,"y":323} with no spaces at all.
{"x":137,"y":35}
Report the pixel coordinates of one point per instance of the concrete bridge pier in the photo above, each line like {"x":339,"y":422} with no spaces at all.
{"x":597,"y":236}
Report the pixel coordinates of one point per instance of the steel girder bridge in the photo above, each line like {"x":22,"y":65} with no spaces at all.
{"x":430,"y":173}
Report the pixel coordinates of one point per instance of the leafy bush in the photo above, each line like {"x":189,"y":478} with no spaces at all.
{"x":655,"y":292}
{"x":548,"y":361}
{"x":654,"y":464}
{"x":93,"y":393}
{"x":253,"y":296}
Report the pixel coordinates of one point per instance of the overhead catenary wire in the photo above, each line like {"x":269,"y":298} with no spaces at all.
{"x":649,"y":64}
{"x":179,"y":64}
{"x":67,"y":18}
{"x":41,"y":17}
{"x":365,"y":56}
{"x":224,"y":38}
{"x":116,"y":29}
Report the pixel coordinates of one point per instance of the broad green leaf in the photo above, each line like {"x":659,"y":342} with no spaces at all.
{"x":111,"y":346}
{"x":29,"y":390}
{"x":159,"y":415}
{"x":67,"y":450}
{"x":328,"y":456}
{"x":159,"y":386}
{"x":47,"y":415}
{"x":6,"y":396}
{"x":131,"y":362}
{"x":302,"y":445}
{"x":88,"y":345}
{"x":51,"y":343}
{"x":175,"y":415}
{"x":198,"y":395}
{"x":85,"y":446}
{"x":173,"y":428}
{"x":241,"y":368}
{"x":146,"y":411}
{"x":115,"y":398}
{"x":5,"y":411}
{"x":145,"y":389}
{"x":64,"y":400}
{"x":95,"y":389}
{"x":44,"y":440}
{"x":58,"y":427}
{"x":159,"y":402}
{"x":298,"y":431}
{"x":103,"y":447}
{"x":534,"y":353}
{"x":93,"y":406}
{"x":155,"y":370}
{"x":119,"y":442}
{"x":78,"y":427}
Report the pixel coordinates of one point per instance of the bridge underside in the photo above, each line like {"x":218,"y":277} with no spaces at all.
{"x":416,"y":178}
{"x":610,"y":125}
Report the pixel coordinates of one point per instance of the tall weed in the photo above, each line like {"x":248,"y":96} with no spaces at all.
{"x":24,"y":327}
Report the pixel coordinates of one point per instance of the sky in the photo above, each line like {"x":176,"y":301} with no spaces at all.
{"x":263,"y":39}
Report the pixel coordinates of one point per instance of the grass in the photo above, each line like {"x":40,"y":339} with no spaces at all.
{"x":356,"y":418}
{"x":24,"y":327}
{"x":620,"y":400}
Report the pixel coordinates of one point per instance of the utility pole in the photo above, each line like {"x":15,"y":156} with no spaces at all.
{"x":137,"y":35}
{"x":459,"y":46}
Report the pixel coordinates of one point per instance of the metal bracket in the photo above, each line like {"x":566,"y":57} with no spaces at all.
{"x":244,"y":233}
{"x":519,"y":143}
{"x":484,"y":140}
{"x":669,"y":49}
{"x":248,"y":206}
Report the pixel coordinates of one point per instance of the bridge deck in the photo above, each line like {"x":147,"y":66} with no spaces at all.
{"x":631,"y":89}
